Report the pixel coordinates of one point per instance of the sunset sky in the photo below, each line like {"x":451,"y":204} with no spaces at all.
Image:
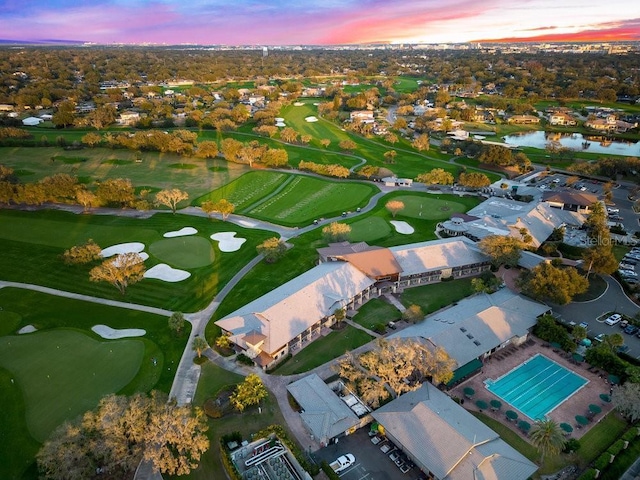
{"x":293,"y":22}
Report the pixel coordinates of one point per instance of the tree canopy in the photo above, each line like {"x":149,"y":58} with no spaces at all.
{"x":394,"y":367}
{"x":121,"y":271}
{"x":502,"y":249}
{"x":122,"y":431}
{"x":251,"y":391}
{"x":557,"y":284}
{"x":273,"y":249}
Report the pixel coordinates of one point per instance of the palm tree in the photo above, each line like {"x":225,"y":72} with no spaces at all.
{"x":199,"y":345}
{"x":547,"y":437}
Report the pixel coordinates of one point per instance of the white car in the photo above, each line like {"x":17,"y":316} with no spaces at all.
{"x":613,"y":319}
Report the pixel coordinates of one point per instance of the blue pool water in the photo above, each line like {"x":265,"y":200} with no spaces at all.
{"x":537,"y":386}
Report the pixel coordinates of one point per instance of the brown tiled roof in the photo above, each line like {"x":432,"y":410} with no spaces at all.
{"x":374,"y":263}
{"x":570,"y":198}
{"x":254,"y":337}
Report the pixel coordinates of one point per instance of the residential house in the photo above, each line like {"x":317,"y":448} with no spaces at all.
{"x":128,"y":118}
{"x":523,"y":119}
{"x":364,"y":116}
{"x":562,"y":118}
{"x":447,"y":442}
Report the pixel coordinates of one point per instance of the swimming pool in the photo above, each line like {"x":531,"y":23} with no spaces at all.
{"x":537,"y":386}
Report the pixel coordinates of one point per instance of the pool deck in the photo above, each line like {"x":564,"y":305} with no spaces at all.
{"x":577,"y":404}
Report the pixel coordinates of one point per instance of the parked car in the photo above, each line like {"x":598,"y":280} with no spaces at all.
{"x":395,"y":455}
{"x":376,"y":439}
{"x":623,"y":348}
{"x":624,"y":323}
{"x":631,"y":330}
{"x":387,"y":447}
{"x":584,"y":325}
{"x":342,"y":463}
{"x":600,"y":337}
{"x":613,"y":319}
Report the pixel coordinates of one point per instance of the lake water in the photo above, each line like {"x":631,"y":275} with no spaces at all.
{"x":575,"y":141}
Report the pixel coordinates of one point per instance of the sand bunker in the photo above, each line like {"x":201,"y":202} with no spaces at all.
{"x":280,"y":124}
{"x":27,"y":329}
{"x":113,"y":334}
{"x":311,"y":119}
{"x":181,"y":233}
{"x":279,"y":119}
{"x":228,"y":241}
{"x":298,"y":104}
{"x":135,"y":247}
{"x":402,"y":227}
{"x":316,"y":104}
{"x":164,"y":272}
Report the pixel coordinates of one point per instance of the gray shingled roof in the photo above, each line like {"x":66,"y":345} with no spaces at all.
{"x":325,"y":414}
{"x":422,"y":257}
{"x":449,"y":441}
{"x":477,"y":324}
{"x":290,"y":309}
{"x":501,"y":216}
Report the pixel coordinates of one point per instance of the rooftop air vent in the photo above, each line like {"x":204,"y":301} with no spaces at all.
{"x":462,"y":329}
{"x":469,"y":335}
{"x":476,"y":342}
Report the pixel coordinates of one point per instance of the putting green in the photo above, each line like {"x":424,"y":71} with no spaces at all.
{"x":369,"y":229}
{"x":184,"y":252}
{"x":427,"y":208}
{"x":63,"y":373}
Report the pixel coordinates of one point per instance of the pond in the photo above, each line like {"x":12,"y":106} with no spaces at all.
{"x":576,"y":142}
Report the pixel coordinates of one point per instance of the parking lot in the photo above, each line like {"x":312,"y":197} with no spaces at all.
{"x":371,"y":463}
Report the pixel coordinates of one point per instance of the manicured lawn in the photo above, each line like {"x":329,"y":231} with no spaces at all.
{"x":184,"y":252}
{"x":66,"y":373}
{"x":375,"y":226}
{"x":623,"y":461}
{"x":33,"y":245}
{"x":598,"y":439}
{"x":212,"y":379}
{"x":307,"y":198}
{"x":425,"y":207}
{"x":156,"y":170}
{"x":324,"y":349}
{"x":376,"y":312}
{"x":246,"y":190}
{"x":64,"y":368}
{"x":369,"y":229}
{"x":437,"y":295}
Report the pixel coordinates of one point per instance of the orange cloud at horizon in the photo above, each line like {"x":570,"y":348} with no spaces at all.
{"x":627,"y":32}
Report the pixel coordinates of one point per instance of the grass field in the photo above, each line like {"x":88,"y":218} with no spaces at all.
{"x":246,"y":190}
{"x":32,"y":247}
{"x":184,"y":252}
{"x":159,"y":170}
{"x":291,"y":200}
{"x":376,"y":312}
{"x":67,"y":373}
{"x":64,"y":368}
{"x":423,"y":207}
{"x":324,"y":349}
{"x":422,"y":211}
{"x":307,"y":198}
{"x":438,"y":295}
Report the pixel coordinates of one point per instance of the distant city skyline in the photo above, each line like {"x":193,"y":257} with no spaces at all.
{"x":318,"y":22}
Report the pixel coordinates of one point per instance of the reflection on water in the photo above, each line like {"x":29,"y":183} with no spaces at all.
{"x":575,"y":141}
